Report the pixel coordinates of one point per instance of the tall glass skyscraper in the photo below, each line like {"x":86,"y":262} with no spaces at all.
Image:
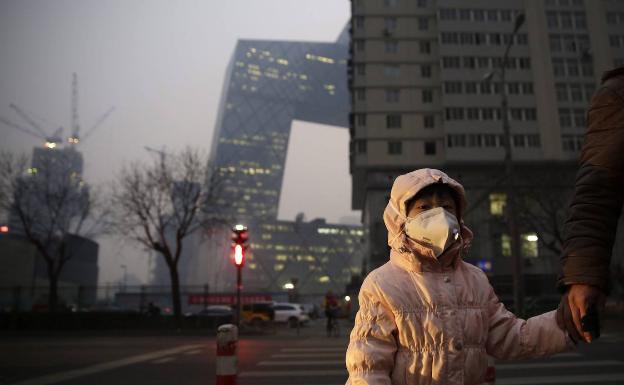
{"x":268,"y":85}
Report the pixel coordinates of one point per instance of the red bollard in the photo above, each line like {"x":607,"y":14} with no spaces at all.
{"x":227,"y":341}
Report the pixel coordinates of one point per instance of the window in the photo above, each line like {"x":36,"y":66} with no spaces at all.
{"x":518,"y":140}
{"x":360,"y":120}
{"x":614,"y":41}
{"x":530,"y":114}
{"x":427,"y":96}
{"x":395,"y":148}
{"x":486,"y":87}
{"x":516,"y":113}
{"x":529,"y":245}
{"x":487,"y":113}
{"x":452,"y":87}
{"x":513,"y":88}
{"x":479,"y":38}
{"x":449,"y":37}
{"x":478,"y":14}
{"x":425,"y":47}
{"x":421,"y":3}
{"x":611,"y":18}
{"x":456,"y":140}
{"x":429,"y":121}
{"x":450,"y":62}
{"x":579,"y":20}
{"x":562,"y":92}
{"x":572,"y":68}
{"x":522,"y":39}
{"x":579,"y":117}
{"x":552,"y":20}
{"x":390,"y":24}
{"x":464,"y":14}
{"x":483,"y":62}
{"x":524,"y":62}
{"x":527,"y":88}
{"x":466,"y":38}
{"x":498,"y":201}
{"x":558,"y":67}
{"x":533,"y":140}
{"x":566,"y":20}
{"x":589,"y":91}
{"x":430,"y":148}
{"x":448,"y":14}
{"x":492,"y":15}
{"x":393,"y":121}
{"x":392,"y":95}
{"x":474,"y":140}
{"x":361,"y":146}
{"x":390,"y":3}
{"x":469,"y":62}
{"x":423,"y":23}
{"x":360,"y":69}
{"x":359,"y":45}
{"x":359,"y":22}
{"x":506,"y":15}
{"x":569,"y":43}
{"x":425,"y":71}
{"x":587,"y":69}
{"x":576,"y":92}
{"x":360,"y":94}
{"x":471,"y":87}
{"x":555,"y":43}
{"x":565,"y":120}
{"x":454,"y":113}
{"x":507,"y":38}
{"x":392,"y":71}
{"x":472,"y":113}
{"x":391,"y":46}
{"x":494,"y":39}
{"x":489,"y":140}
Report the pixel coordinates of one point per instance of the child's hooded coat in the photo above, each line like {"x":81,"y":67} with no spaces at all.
{"x":427,"y":320}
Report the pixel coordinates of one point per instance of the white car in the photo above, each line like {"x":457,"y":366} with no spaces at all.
{"x":293,"y":313}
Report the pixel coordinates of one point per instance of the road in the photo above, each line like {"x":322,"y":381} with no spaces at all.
{"x":277,"y":359}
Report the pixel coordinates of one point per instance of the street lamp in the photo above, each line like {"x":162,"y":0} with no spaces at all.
{"x":514,"y":233}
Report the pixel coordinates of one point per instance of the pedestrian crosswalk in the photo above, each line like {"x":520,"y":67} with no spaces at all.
{"x":322,"y":362}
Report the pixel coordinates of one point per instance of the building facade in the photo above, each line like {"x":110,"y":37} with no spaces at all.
{"x":268,"y":85}
{"x":419,"y":99}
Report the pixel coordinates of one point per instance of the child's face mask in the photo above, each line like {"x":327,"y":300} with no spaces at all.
{"x":436,"y":228}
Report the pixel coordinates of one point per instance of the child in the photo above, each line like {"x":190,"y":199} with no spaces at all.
{"x":426,"y":316}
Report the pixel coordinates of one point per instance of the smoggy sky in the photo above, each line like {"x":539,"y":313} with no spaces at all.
{"x":161,"y":65}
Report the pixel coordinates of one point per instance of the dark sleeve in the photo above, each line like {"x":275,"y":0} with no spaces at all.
{"x":591,"y":224}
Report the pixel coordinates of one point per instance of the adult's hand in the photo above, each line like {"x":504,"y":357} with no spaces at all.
{"x":574,"y":306}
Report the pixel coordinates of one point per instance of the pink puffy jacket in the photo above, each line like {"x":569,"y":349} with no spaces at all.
{"x":427,"y":320}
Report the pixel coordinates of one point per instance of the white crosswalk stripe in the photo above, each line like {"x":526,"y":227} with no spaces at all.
{"x":325,"y":365}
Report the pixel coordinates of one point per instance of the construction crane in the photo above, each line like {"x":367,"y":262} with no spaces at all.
{"x":54,"y":140}
{"x":161,"y":153}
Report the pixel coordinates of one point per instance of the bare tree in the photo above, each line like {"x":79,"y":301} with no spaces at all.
{"x":49,"y":203}
{"x":161,"y":203}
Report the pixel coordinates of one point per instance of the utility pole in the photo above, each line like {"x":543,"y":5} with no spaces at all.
{"x":511,"y":211}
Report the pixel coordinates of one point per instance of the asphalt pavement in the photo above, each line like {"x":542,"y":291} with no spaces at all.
{"x":286,"y":356}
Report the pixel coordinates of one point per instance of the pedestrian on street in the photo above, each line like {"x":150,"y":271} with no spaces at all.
{"x":330,"y":304}
{"x":593,"y":213}
{"x":426,"y":316}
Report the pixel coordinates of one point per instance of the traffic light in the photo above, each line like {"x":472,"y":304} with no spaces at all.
{"x":239,"y":245}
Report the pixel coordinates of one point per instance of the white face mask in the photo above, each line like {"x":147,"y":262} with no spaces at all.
{"x":435,"y":228}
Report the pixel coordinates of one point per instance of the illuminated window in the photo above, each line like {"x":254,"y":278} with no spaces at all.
{"x":497,"y":203}
{"x":278,"y":267}
{"x":323,"y":279}
{"x":529,"y":244}
{"x":506,"y":245}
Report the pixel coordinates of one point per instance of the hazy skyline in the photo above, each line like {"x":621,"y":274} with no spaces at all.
{"x":162,"y":65}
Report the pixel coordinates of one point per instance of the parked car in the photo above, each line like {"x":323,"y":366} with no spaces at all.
{"x":211,"y":317}
{"x":258,"y":313}
{"x":311,"y":310}
{"x":292,"y":313}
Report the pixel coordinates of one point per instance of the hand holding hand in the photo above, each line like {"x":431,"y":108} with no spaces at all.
{"x":575,"y":304}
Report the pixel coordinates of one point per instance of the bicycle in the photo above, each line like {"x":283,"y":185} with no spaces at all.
{"x":334,"y":328}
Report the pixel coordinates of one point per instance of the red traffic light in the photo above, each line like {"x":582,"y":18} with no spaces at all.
{"x":239,"y":255}
{"x":4,"y":229}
